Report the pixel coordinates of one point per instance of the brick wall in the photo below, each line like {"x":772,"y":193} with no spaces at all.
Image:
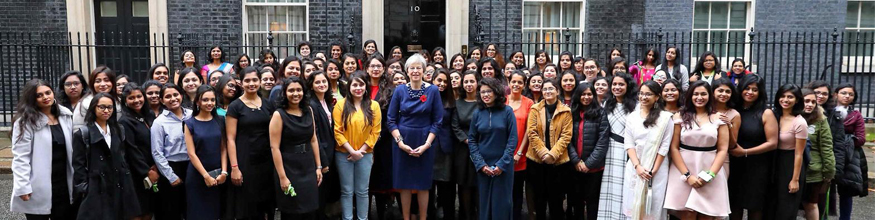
{"x":29,"y":15}
{"x":614,"y":16}
{"x":330,"y":21}
{"x":501,"y":20}
{"x":216,"y":16}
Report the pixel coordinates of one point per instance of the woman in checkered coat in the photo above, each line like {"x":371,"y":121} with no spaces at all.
{"x":620,"y":102}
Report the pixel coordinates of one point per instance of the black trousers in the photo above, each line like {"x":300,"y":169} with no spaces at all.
{"x":443,"y":194}
{"x":172,"y":198}
{"x":583,"y":198}
{"x":548,"y":189}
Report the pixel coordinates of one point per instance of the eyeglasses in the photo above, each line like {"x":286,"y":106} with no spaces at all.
{"x":550,"y":89}
{"x":486,"y":92}
{"x":104,"y":107}
{"x":72,"y":84}
{"x":376,"y":66}
{"x":589,"y":68}
{"x":647,"y":94}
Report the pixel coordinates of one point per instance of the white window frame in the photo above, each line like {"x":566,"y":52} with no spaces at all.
{"x":245,"y":20}
{"x":749,"y":23}
{"x":561,"y":27}
{"x":852,"y":63}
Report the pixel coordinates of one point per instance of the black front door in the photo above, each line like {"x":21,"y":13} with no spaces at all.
{"x":415,"y":24}
{"x":123,"y":36}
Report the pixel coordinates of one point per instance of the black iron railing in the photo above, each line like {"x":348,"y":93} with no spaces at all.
{"x":781,"y":57}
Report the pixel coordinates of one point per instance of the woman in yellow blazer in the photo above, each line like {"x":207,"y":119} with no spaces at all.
{"x":549,"y":132}
{"x":356,"y":129}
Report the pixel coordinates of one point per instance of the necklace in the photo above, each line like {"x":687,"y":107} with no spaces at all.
{"x":257,"y":107}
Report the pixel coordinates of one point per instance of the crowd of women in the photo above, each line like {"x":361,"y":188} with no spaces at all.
{"x":317,"y":132}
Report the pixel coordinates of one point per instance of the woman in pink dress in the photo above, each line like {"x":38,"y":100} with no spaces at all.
{"x":643,"y":70}
{"x":696,"y":182}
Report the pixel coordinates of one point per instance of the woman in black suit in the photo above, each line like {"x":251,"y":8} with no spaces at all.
{"x":101,"y":177}
{"x":135,"y":121}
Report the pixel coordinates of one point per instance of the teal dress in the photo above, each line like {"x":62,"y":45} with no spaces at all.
{"x":416,"y":114}
{"x":491,"y":140}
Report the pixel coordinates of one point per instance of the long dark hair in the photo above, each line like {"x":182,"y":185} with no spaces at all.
{"x":576,"y":82}
{"x":281,"y":74}
{"x":263,"y":54}
{"x":759,"y":104}
{"x":495,"y":67}
{"x":283,"y":101}
{"x":848,"y":85}
{"x":688,"y":111}
{"x":27,"y":111}
{"x":449,"y":94}
{"x":110,"y":75}
{"x":365,"y":55}
{"x":591,"y":111}
{"x":497,"y":92}
{"x":629,"y":99}
{"x":220,"y":91}
{"x":676,"y":70}
{"x":655,"y":56}
{"x":154,"y":68}
{"x":477,"y":48}
{"x":814,"y":116}
{"x":349,"y":107}
{"x":797,"y":107}
{"x":510,"y":58}
{"x":442,"y":52}
{"x":614,"y":62}
{"x":61,"y":94}
{"x":726,"y":82}
{"x":528,"y":92}
{"x":201,"y":90}
{"x":570,"y":58}
{"x":237,"y":67}
{"x":182,"y":58}
{"x":145,"y":114}
{"x":656,"y":110}
{"x":91,"y":115}
{"x":329,"y":99}
{"x":680,"y":101}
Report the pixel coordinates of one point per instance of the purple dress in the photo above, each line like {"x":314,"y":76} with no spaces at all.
{"x":415,"y":113}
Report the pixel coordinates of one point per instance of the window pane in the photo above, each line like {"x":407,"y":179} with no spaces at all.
{"x":700,"y":40}
{"x":853,"y":13}
{"x":867,"y":15}
{"x":858,"y":43}
{"x":719,"y":11}
{"x":738,"y":15}
{"x":736,"y":43}
{"x":256,"y":16}
{"x":297,"y":18}
{"x":551,"y":14}
{"x":277,"y":18}
{"x":140,"y":8}
{"x":571,"y":13}
{"x":552,"y":40}
{"x":701,"y":12}
{"x":530,"y":37}
{"x":530,"y":17}
{"x":108,"y":9}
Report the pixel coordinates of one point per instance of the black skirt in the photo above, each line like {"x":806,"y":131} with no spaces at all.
{"x":787,"y":204}
{"x":749,"y":182}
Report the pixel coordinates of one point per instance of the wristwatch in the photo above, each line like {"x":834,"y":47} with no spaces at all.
{"x":686,"y":176}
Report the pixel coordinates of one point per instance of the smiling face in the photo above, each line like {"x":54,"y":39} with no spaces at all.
{"x":320,"y":83}
{"x":458,"y":63}
{"x":549,"y":91}
{"x":535,"y":83}
{"x":709,"y":62}
{"x":456,"y":80}
{"x":671,"y":54}
{"x":722,"y":94}
{"x":308,"y":68}
{"x":230,"y":90}
{"x":429,"y":73}
{"x":293,"y":69}
{"x":45,"y":97}
{"x":822,"y":94}
{"x":269,"y":59}
{"x":188,"y":58}
{"x":700,"y":97}
{"x":153,"y":94}
{"x":102,"y":83}
{"x":646,"y":97}
{"x":349,"y":65}
{"x":103,"y":110}
{"x":568,"y":82}
{"x":441,"y":82}
{"x":216,"y":53}
{"x":370,"y":48}
{"x":357,"y":88}
{"x":214,"y":78}
{"x":161,"y":74}
{"x":375,"y":69}
{"x":586,"y":97}
{"x":517,"y":59}
{"x":294,"y":93}
{"x":475,"y":54}
{"x":267,"y":81}
{"x":438,"y":56}
{"x":787,"y":101}
{"x":135,"y":100}
{"x":601,"y":87}
{"x":207,"y":102}
{"x":618,"y":87}
{"x":490,"y":51}
{"x":396,"y":66}
{"x":670,"y":92}
{"x":565,"y":62}
{"x":333,"y":71}
{"x":619,"y":67}
{"x":508,"y":69}
{"x":73,"y":87}
{"x":398,"y":78}
{"x":469,"y":83}
{"x":487,"y":70}
{"x":304,"y":50}
{"x":517,"y":84}
{"x":251,"y":83}
{"x":737,"y":67}
{"x":750,"y":93}
{"x":244,"y":62}
{"x":550,"y":72}
{"x":487,"y":95}
{"x":397,"y":54}
{"x":810,"y":101}
{"x":190,"y":83}
{"x":541,"y":59}
{"x":415,"y":71}
{"x":336,"y":52}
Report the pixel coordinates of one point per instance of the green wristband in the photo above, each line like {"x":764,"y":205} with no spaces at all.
{"x":712,"y":174}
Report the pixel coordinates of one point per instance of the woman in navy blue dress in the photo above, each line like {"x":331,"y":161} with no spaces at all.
{"x":492,"y":139}
{"x":415,"y":116}
{"x":206,"y":148}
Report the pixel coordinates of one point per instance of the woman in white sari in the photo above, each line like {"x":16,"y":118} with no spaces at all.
{"x":648,"y":137}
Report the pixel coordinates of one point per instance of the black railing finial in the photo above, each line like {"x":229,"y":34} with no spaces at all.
{"x":351,"y":36}
{"x":567,"y":35}
{"x":835,"y":34}
{"x":179,"y":38}
{"x":659,"y":34}
{"x":751,"y":34}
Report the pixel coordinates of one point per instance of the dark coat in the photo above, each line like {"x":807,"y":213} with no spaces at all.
{"x":101,"y":180}
{"x":848,"y":173}
{"x":138,"y":154}
{"x":596,"y":138}
{"x":324,"y":130}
